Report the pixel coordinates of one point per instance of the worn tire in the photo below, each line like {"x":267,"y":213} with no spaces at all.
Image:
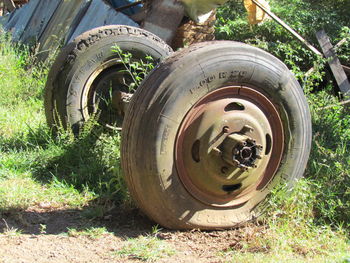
{"x":85,"y":56}
{"x":156,"y":132}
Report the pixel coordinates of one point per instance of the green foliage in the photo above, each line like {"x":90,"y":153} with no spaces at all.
{"x":306,"y":17}
{"x":137,"y":69}
{"x":329,"y":166}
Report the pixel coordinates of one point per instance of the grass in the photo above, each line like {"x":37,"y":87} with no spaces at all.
{"x":92,"y":232}
{"x":10,"y":231}
{"x":146,"y":248}
{"x":35,"y":167}
{"x":286,"y":244}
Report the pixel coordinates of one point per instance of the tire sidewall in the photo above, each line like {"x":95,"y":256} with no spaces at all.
{"x":75,"y":64}
{"x":203,"y":69}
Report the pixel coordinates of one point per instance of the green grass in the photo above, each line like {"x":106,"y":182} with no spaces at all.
{"x":286,"y":243}
{"x":92,"y":232}
{"x":146,"y":248}
{"x":36,"y":167}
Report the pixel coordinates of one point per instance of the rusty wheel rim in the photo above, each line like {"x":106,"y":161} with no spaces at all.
{"x":229,"y":146}
{"x":104,"y":92}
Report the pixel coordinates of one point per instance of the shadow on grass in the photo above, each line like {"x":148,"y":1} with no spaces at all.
{"x":122,"y":222}
{"x":38,"y":138}
{"x":88,"y":163}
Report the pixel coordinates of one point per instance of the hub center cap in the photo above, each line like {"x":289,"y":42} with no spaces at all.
{"x":229,"y":146}
{"x":241,"y":151}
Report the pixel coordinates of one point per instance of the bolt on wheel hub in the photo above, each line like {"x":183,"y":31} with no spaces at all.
{"x":241,"y":151}
{"x":229,"y":146}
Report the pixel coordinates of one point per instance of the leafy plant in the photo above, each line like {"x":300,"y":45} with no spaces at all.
{"x":137,"y":69}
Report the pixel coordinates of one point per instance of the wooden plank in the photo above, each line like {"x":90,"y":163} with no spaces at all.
{"x":291,"y":30}
{"x":334,"y":63}
{"x":59,"y":26}
{"x":24,"y":15}
{"x":99,"y":14}
{"x":39,"y":20}
{"x":340,"y":43}
{"x":345,"y":103}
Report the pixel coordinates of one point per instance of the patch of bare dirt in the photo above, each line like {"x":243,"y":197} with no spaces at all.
{"x":44,"y":237}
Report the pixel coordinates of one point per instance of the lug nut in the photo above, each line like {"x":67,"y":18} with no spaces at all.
{"x":226,"y":129}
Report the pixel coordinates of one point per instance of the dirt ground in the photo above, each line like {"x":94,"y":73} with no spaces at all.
{"x":51,"y":243}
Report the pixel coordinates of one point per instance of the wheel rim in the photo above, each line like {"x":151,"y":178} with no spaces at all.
{"x":229,"y":146}
{"x":106,"y":94}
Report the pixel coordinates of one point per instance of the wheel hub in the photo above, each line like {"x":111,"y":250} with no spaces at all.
{"x":241,"y":151}
{"x":229,"y":146}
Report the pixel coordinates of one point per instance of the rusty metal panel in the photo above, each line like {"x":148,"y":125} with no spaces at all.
{"x":76,"y":21}
{"x":62,"y":21}
{"x":24,"y":15}
{"x":39,"y":20}
{"x":100,"y":14}
{"x":4,"y":19}
{"x":12,"y":20}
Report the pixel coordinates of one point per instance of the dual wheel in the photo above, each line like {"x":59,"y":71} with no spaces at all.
{"x":205,"y":138}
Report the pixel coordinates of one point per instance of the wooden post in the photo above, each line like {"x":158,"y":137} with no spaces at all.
{"x":334,"y":63}
{"x":164,"y":18}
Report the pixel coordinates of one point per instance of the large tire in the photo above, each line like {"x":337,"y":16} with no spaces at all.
{"x":76,"y":76}
{"x":211,"y":132}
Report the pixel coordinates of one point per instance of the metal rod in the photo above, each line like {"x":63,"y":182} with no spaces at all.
{"x":128,"y":6}
{"x":291,"y":30}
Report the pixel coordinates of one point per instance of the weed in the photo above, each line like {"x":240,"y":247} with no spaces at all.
{"x":42,"y":229}
{"x":10,"y":231}
{"x":92,"y":232}
{"x":136,"y":69}
{"x":146,"y":248}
